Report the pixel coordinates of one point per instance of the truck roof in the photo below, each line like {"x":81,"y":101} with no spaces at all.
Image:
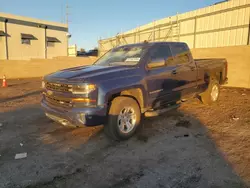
{"x":149,"y":44}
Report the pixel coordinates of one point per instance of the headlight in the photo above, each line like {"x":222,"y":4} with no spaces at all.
{"x":83,"y":89}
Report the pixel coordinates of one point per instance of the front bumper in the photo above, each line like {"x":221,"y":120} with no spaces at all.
{"x":77,"y":117}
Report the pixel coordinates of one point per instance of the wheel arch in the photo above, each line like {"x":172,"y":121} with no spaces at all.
{"x":134,"y":93}
{"x":214,"y":75}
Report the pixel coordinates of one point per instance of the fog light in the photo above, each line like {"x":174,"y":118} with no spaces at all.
{"x":81,"y":118}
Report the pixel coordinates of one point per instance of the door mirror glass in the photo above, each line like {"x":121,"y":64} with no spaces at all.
{"x":156,"y":63}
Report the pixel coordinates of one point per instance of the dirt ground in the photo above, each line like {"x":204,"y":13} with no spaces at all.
{"x":195,"y":146}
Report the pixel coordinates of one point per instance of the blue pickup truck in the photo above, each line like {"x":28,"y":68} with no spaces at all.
{"x":130,"y":81}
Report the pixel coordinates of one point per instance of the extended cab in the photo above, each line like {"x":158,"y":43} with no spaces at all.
{"x":128,"y":81}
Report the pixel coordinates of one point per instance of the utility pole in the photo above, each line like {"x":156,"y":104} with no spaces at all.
{"x":62,"y":13}
{"x":67,"y":14}
{"x":67,"y":22}
{"x":6,"y":39}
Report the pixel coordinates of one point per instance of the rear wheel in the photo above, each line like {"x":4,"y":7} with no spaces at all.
{"x":124,"y":118}
{"x":211,"y":95}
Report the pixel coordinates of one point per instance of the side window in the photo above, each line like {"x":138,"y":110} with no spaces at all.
{"x":26,"y":38}
{"x":160,"y":52}
{"x":50,"y":44}
{"x":26,"y":41}
{"x":181,"y":53}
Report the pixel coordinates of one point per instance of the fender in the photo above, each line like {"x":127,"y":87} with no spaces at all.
{"x":128,"y":86}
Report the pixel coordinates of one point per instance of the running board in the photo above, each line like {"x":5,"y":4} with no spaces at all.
{"x":160,"y":111}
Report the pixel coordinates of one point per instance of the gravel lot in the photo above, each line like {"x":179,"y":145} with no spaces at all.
{"x":195,"y":146}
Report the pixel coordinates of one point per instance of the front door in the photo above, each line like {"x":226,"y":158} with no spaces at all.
{"x":161,"y":82}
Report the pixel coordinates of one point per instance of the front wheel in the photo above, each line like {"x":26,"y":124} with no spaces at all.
{"x":211,"y":95}
{"x":124,"y":118}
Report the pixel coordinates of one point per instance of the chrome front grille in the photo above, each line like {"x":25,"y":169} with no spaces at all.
{"x":58,"y":87}
{"x":58,"y":101}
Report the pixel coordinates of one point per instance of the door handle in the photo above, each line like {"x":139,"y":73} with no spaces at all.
{"x":174,"y":72}
{"x":192,"y":68}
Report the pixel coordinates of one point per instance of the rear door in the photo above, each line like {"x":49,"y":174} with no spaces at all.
{"x":161,"y":82}
{"x":186,"y":70}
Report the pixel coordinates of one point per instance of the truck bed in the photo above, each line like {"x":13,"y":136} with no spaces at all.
{"x":205,"y":62}
{"x":213,"y":65}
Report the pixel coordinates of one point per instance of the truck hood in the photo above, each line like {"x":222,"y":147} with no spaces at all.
{"x":88,"y":72}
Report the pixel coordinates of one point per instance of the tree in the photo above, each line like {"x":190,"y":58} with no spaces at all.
{"x":82,"y":50}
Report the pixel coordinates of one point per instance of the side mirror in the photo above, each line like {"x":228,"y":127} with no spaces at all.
{"x":156,"y":63}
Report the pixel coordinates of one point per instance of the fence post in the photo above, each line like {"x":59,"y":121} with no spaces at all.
{"x":45,"y":41}
{"x":6,"y":39}
{"x":154,"y":32}
{"x":159,"y":33}
{"x":139,"y":35}
{"x":135,"y":36}
{"x":171,"y":29}
{"x":178,"y":27}
{"x":195,"y":27}
{"x":248,"y":42}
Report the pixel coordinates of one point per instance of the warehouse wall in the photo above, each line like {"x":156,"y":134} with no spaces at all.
{"x":238,"y":58}
{"x":37,"y":49}
{"x":2,"y":42}
{"x":224,"y":24}
{"x":59,"y":48}
{"x":17,"y":50}
{"x":227,"y":29}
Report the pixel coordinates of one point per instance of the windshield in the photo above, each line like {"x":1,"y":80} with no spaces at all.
{"x":122,"y":56}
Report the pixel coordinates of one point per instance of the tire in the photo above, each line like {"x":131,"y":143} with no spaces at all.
{"x":122,"y":111}
{"x":211,"y":95}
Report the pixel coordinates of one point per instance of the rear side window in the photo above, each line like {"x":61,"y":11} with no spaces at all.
{"x":160,"y":52}
{"x":178,"y":48}
{"x":181,"y":53}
